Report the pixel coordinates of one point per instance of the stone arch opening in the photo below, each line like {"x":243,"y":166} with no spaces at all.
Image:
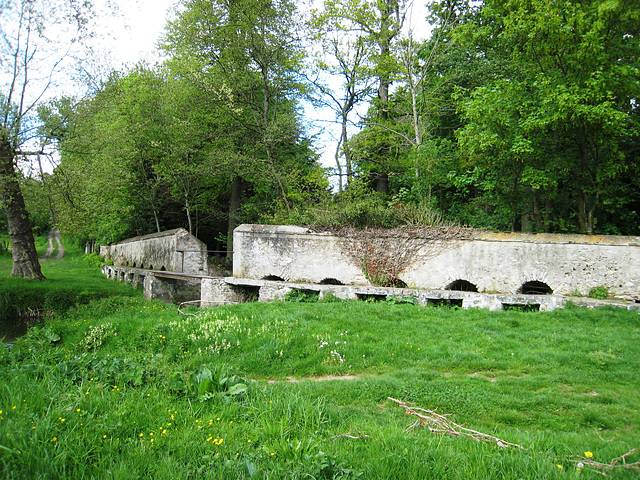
{"x":462,"y":286}
{"x":134,"y":265}
{"x":273,"y":278}
{"x":162,"y":269}
{"x":331,"y":281}
{"x":535,"y":288}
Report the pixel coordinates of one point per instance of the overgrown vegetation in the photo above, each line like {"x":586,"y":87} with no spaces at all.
{"x":299,"y":390}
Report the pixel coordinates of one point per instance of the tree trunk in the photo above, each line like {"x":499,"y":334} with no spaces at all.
{"x":23,"y":247}
{"x":234,"y":207}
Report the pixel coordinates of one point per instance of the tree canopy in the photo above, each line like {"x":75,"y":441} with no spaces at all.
{"x":509,"y":115}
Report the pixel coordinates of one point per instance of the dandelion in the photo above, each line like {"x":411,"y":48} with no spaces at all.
{"x":249,"y":441}
{"x":54,"y":439}
{"x":77,"y":410}
{"x":560,"y":467}
{"x":272,"y":454}
{"x":580,"y":465}
{"x":104,"y":436}
{"x":588,"y":454}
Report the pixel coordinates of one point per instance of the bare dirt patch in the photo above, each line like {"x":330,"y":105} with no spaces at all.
{"x":326,"y":378}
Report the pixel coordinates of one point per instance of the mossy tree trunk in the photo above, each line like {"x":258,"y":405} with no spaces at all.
{"x":23,"y":247}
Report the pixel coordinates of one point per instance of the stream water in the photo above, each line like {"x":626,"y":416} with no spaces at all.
{"x":12,"y":329}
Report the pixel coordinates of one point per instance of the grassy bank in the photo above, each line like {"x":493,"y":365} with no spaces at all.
{"x":76,"y":278}
{"x":123,"y":388}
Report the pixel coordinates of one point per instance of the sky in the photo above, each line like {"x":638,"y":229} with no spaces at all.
{"x":129,"y":32}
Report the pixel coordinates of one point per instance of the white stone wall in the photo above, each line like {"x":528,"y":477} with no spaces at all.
{"x":494,"y":262}
{"x":503,"y":263}
{"x":291,"y":254}
{"x":173,"y":251}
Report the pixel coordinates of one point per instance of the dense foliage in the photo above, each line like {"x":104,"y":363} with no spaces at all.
{"x":516,"y":115}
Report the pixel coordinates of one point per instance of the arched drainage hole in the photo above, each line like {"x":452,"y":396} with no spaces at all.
{"x":444,"y":302}
{"x":331,"y":281}
{"x":371,"y":297}
{"x":529,"y":307}
{"x":462,"y":286}
{"x":535,"y":288}
{"x":273,"y":278}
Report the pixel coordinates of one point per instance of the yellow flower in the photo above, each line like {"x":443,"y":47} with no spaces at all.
{"x":588,"y":454}
{"x":559,"y":466}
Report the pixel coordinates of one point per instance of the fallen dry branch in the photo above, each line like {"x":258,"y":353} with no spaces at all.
{"x":189,"y":303}
{"x":441,"y":425}
{"x":602,"y":468}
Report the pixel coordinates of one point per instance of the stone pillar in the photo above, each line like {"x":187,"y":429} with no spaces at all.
{"x":215,"y":291}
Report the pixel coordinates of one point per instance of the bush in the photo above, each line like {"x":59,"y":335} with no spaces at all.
{"x":600,"y":292}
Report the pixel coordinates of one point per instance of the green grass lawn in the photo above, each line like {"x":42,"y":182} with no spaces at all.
{"x":123,"y":388}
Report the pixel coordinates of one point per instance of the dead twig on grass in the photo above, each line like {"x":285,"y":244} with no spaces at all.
{"x":602,"y":468}
{"x":192,"y":302}
{"x":441,"y":425}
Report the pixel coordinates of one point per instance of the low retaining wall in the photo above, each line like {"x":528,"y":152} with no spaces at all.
{"x":214,"y":291}
{"x":488,"y":262}
{"x":174,"y":251}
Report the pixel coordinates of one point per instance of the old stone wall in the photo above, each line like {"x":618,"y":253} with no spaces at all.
{"x":173,"y":251}
{"x":487,"y":262}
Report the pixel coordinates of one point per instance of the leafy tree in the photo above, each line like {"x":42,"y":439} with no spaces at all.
{"x":381,"y":22}
{"x":248,"y":52}
{"x":550,"y":135}
{"x":30,"y":33}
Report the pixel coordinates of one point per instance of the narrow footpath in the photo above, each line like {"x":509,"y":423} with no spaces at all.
{"x":54,"y":234}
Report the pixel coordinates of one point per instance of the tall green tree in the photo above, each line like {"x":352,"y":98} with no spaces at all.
{"x":554,"y":129}
{"x":381,"y":23}
{"x":249,"y":52}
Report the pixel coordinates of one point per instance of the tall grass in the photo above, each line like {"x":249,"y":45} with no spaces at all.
{"x":123,"y":388}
